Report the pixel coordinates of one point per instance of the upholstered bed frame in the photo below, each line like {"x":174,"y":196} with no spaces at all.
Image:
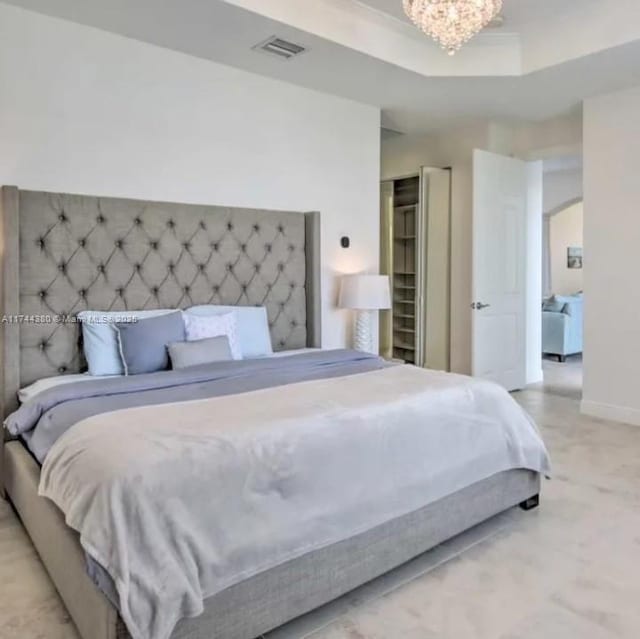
{"x":64,"y":253}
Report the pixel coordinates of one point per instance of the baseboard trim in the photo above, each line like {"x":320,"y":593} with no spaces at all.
{"x":622,"y":414}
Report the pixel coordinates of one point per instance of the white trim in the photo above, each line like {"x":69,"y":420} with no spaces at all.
{"x":125,"y":366}
{"x":622,"y":414}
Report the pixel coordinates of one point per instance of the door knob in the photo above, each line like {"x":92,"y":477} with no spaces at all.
{"x":478,"y":306}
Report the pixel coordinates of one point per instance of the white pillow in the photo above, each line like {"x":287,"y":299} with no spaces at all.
{"x":199,"y":327}
{"x":100,"y":341}
{"x":252,"y":323}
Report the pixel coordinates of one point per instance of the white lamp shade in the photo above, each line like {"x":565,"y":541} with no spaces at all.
{"x":364,"y":292}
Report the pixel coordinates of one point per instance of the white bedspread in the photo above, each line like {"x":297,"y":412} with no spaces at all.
{"x":179,"y":501}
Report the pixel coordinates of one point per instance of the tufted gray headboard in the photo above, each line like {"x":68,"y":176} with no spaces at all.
{"x":65,"y":253}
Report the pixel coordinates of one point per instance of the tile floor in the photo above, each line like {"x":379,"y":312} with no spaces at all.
{"x":568,"y":570}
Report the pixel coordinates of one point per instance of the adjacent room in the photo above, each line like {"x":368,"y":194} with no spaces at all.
{"x":562,"y":275}
{"x":319,"y":319}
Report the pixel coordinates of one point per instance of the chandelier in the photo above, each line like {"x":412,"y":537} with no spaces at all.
{"x":451,"y":23}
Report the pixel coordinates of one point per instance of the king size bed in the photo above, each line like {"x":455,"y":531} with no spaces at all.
{"x":224,"y":499}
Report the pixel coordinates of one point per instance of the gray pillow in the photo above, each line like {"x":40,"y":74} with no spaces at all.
{"x":200,"y":351}
{"x":143,"y":344}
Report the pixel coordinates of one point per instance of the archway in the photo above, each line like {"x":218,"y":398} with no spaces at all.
{"x":549,"y":287}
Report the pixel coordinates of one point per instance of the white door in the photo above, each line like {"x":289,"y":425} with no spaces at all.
{"x":499,"y":269}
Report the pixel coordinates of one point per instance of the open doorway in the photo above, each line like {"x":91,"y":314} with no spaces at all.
{"x":562,"y":277}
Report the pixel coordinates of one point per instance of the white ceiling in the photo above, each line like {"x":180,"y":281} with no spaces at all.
{"x":363,"y":55}
{"x":390,"y":7}
{"x":549,"y":31}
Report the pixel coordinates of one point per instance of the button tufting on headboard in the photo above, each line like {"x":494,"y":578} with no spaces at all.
{"x":79,"y":252}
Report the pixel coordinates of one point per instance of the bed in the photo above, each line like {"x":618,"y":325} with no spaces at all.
{"x":65,"y":253}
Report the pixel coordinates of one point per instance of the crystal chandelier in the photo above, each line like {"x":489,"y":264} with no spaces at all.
{"x":451,"y":23}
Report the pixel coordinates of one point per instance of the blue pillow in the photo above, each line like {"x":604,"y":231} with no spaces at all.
{"x":143,"y":344}
{"x":100,"y":341}
{"x":252,"y":323}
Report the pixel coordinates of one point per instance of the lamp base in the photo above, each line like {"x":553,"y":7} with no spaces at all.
{"x":362,"y":338}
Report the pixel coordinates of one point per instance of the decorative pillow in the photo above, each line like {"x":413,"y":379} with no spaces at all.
{"x":202,"y":351}
{"x":201,"y":327}
{"x":143,"y":344}
{"x":100,"y":340}
{"x":253,"y":327}
{"x":553,"y":304}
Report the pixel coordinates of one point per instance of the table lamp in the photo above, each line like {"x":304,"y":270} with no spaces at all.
{"x":366,"y":294}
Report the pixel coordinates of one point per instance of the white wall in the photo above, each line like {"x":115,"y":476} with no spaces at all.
{"x":565,"y":230}
{"x":545,"y":140}
{"x":611,"y":241}
{"x":85,"y":111}
{"x":561,"y":188}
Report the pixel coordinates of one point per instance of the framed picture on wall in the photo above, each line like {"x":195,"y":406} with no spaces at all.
{"x":574,"y":257}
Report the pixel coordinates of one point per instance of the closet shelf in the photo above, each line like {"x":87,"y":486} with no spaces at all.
{"x":401,"y":260}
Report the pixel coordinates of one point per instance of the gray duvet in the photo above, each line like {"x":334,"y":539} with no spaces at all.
{"x":186,"y":495}
{"x":42,"y":421}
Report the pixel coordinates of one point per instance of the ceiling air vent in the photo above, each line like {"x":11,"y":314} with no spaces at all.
{"x":280,"y":48}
